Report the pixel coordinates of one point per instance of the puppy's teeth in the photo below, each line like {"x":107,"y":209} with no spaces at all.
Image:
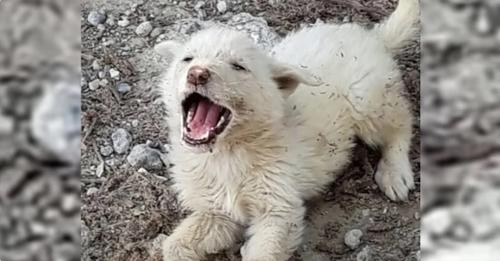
{"x":222,"y":119}
{"x":190,"y":115}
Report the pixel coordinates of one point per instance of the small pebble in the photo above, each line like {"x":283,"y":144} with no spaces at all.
{"x":96,"y":66}
{"x":94,"y":85}
{"x":103,"y":82}
{"x":101,"y":74}
{"x":124,"y":23}
{"x":91,"y":191}
{"x":121,"y":140}
{"x":353,"y":238}
{"x":106,"y":150}
{"x":143,"y":156}
{"x":6,"y":125}
{"x":222,"y":6}
{"x":114,"y":73}
{"x":199,"y":5}
{"x":364,"y":254}
{"x":96,"y":18}
{"x":438,"y":221}
{"x":156,"y":32}
{"x":144,"y":29}
{"x":83,"y":82}
{"x":123,"y":87}
{"x":101,"y":27}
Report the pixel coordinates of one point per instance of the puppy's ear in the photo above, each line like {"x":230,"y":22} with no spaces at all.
{"x":288,"y":77}
{"x":168,"y":49}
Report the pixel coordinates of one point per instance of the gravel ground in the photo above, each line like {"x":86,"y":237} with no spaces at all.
{"x":460,"y":134}
{"x":127,"y":201}
{"x":39,"y":137}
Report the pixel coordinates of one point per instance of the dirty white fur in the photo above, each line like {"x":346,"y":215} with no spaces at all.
{"x":296,"y":112}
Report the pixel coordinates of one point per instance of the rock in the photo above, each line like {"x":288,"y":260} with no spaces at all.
{"x":365,"y":254}
{"x":70,"y":203}
{"x":85,"y":231}
{"x":111,"y":162}
{"x":106,"y":150}
{"x":137,"y":42}
{"x":121,"y":140}
{"x":199,"y":5}
{"x":101,"y":27}
{"x":143,"y":156}
{"x":123,"y":23}
{"x":6,"y":125}
{"x":156,"y":32}
{"x":94,"y":85}
{"x":99,"y":170}
{"x":222,"y":6}
{"x":135,"y":123}
{"x":96,"y":66}
{"x":115,"y":74}
{"x":256,"y":27}
{"x":144,"y":29}
{"x":123,"y":87}
{"x":103,"y":82}
{"x":83,"y":82}
{"x":96,"y":18}
{"x":353,"y":238}
{"x":437,"y":222}
{"x":101,"y":74}
{"x":110,"y":20}
{"x":55,"y":121}
{"x":91,"y":191}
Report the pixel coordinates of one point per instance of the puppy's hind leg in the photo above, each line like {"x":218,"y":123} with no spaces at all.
{"x":389,"y":127}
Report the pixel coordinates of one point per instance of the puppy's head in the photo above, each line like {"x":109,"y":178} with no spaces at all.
{"x":225,"y":88}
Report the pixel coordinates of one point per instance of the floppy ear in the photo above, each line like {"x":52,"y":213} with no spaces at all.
{"x":288,"y":77}
{"x":168,"y":49}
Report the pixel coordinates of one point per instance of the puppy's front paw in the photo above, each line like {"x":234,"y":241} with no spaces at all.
{"x":172,"y":250}
{"x":395,"y":179}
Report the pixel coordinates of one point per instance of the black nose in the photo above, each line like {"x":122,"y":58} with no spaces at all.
{"x":198,"y":75}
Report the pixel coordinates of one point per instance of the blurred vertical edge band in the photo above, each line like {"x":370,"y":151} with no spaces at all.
{"x":39,"y":130}
{"x":460,"y":127}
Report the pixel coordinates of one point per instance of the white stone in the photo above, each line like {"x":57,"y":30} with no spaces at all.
{"x":353,"y":238}
{"x":222,"y":6}
{"x":114,"y":73}
{"x":95,"y":84}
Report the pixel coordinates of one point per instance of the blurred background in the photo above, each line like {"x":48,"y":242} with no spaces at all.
{"x":460,"y":125}
{"x":39,"y":130}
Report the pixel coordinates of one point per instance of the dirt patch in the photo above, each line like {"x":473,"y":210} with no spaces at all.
{"x":125,"y":209}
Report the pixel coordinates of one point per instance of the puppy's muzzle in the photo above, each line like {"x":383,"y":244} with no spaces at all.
{"x":198,"y":76}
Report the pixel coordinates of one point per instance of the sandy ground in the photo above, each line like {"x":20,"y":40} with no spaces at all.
{"x":124,"y":208}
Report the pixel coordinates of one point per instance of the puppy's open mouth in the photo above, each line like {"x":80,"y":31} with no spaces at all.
{"x":203,"y":119}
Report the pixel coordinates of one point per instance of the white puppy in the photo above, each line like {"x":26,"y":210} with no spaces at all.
{"x":254,"y":135}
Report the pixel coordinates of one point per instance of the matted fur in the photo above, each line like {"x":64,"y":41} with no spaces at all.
{"x":296,"y":112}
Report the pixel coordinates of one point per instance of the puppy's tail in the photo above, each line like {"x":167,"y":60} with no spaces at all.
{"x":402,"y":26}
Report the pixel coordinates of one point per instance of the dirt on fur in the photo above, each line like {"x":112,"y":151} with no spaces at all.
{"x":125,"y":208}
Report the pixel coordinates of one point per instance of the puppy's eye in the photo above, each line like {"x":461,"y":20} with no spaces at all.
{"x":187,"y":59}
{"x":238,"y":67}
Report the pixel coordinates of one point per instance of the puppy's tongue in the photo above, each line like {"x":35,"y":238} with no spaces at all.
{"x":206,"y":115}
